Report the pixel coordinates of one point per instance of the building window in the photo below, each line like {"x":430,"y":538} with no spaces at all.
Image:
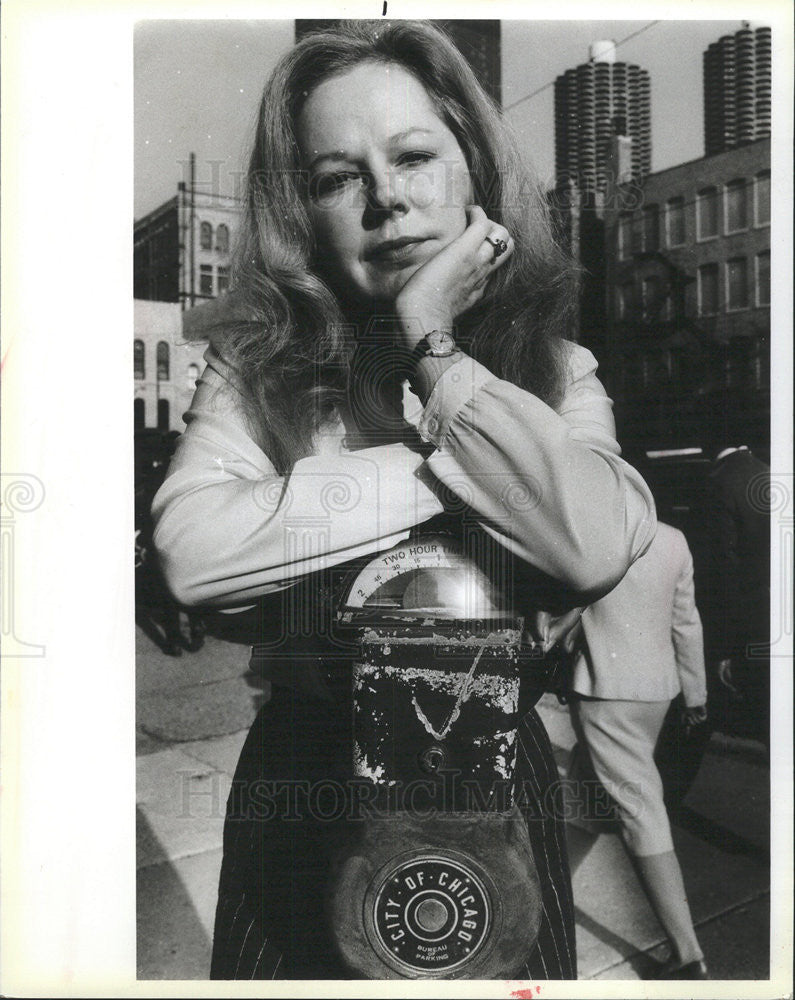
{"x":675,"y":222}
{"x":162,"y":362}
{"x":162,"y":415}
{"x":736,"y":207}
{"x":223,"y":279}
{"x":763,"y":278}
{"x":139,"y":414}
{"x":650,"y":298}
{"x":737,"y":283}
{"x":707,"y":213}
{"x":625,"y":235}
{"x":193,"y":374}
{"x":206,"y":236}
{"x":624,"y":295}
{"x":708,"y":289}
{"x":139,"y":359}
{"x":222,"y":238}
{"x":651,"y":228}
{"x":206,"y":279}
{"x":762,"y":199}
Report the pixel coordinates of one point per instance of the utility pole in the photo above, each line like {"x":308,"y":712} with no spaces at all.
{"x":192,"y":229}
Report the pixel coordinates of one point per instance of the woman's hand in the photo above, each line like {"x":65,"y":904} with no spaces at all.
{"x":695,"y":715}
{"x":454,"y":279}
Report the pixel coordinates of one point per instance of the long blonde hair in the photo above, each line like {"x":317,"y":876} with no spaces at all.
{"x":291,"y":352}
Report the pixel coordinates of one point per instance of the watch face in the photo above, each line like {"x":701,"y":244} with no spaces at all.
{"x":441,"y":343}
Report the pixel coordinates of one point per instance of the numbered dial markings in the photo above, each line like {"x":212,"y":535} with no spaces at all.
{"x":429,"y":574}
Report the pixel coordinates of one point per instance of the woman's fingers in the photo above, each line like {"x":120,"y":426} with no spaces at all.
{"x":496,"y":247}
{"x":455,"y":279}
{"x":490,"y":242}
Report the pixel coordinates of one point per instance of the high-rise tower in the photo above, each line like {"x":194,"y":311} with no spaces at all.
{"x":594,"y":102}
{"x":737,"y":81}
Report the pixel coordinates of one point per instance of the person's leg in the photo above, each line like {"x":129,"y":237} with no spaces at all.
{"x":662,"y":879}
{"x":197,"y":629}
{"x":589,"y":809}
{"x":621,"y":736}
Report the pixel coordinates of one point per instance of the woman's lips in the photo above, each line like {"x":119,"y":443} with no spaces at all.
{"x":396,"y":252}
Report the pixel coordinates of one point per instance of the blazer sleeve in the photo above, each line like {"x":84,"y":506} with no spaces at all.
{"x":550,"y":484}
{"x":229,"y":529}
{"x":687,"y":635}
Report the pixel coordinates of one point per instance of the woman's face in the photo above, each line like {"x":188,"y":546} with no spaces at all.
{"x":388,"y":182}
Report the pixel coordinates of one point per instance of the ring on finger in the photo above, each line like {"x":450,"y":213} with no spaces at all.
{"x":500,"y":247}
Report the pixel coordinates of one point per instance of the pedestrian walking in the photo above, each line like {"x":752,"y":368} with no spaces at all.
{"x":639,"y":647}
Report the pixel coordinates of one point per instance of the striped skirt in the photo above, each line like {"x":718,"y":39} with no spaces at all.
{"x":270,"y":921}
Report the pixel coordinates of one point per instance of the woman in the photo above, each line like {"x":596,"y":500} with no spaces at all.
{"x":643,"y":645}
{"x":400,"y":309}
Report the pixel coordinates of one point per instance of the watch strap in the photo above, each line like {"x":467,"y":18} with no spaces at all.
{"x":423,"y":348}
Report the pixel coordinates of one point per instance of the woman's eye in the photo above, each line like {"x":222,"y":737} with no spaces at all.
{"x":415,"y":158}
{"x":329,"y":184}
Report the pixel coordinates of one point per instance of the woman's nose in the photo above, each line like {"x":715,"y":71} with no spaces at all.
{"x":387,"y":192}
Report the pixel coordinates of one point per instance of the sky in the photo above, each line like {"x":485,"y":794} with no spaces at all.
{"x":198,"y":83}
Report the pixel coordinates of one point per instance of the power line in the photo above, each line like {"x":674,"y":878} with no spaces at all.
{"x":551,"y":83}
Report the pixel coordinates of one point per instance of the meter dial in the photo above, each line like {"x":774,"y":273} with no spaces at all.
{"x":429,"y":574}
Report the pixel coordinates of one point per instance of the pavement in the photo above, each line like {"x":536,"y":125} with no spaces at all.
{"x":193,"y":713}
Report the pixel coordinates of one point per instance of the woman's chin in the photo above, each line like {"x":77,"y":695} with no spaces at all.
{"x":391,"y":285}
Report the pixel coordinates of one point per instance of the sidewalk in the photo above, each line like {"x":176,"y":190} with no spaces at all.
{"x":193,"y":715}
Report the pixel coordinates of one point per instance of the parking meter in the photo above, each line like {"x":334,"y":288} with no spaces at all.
{"x":436,"y":878}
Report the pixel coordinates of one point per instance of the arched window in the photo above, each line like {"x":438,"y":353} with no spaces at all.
{"x":139,"y":414}
{"x":206,"y":237}
{"x":162,"y":415}
{"x":162,"y":362}
{"x":222,"y":238}
{"x":193,"y":374}
{"x":139,"y":359}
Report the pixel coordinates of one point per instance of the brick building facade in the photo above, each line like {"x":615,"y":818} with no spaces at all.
{"x":688,"y":301}
{"x":182,"y":249}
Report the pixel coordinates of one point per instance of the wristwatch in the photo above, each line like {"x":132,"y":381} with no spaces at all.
{"x":436,"y":344}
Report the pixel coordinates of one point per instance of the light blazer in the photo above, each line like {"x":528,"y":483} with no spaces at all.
{"x":643,"y":640}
